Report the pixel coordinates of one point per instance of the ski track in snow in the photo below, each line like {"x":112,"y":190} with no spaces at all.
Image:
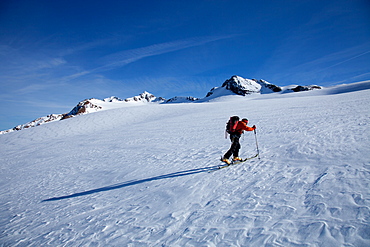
{"x":138,"y":176}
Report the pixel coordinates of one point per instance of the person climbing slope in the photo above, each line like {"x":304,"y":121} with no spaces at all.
{"x":235,"y":128}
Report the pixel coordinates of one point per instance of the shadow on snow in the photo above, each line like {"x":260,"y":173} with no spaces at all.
{"x":134,"y":182}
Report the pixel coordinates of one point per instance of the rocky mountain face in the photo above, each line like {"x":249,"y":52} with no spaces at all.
{"x":267,"y":87}
{"x":113,"y":99}
{"x":83,"y":107}
{"x":144,"y":97}
{"x":181,"y":100}
{"x":305,"y":88}
{"x":86,"y":106}
{"x":36,"y":122}
{"x":241,"y":86}
{"x":236,"y":84}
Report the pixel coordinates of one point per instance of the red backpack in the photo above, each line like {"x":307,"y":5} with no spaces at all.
{"x":231,"y":124}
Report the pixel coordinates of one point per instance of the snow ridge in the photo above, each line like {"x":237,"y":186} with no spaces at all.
{"x":236,"y":85}
{"x":178,"y":99}
{"x":267,"y":87}
{"x":144,"y":97}
{"x":36,"y":122}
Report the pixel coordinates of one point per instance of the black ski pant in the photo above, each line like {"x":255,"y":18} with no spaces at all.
{"x":235,"y":146}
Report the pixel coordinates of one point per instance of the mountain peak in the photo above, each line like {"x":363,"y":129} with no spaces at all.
{"x":241,"y":86}
{"x":85,"y":106}
{"x":113,"y":99}
{"x":144,"y":97}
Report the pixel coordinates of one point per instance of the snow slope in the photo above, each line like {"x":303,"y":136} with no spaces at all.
{"x":139,"y":175}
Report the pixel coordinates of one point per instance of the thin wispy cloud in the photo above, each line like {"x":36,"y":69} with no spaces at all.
{"x":84,"y":47}
{"x":30,"y":89}
{"x":319,"y":67}
{"x":337,"y":58}
{"x":357,"y":78}
{"x":39,"y":103}
{"x":122,"y":58}
{"x":348,"y":59}
{"x":43,"y":60}
{"x":16,"y":62}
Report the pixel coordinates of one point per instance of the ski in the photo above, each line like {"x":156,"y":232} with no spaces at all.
{"x":244,"y":160}
{"x":234,"y":163}
{"x":238,"y":162}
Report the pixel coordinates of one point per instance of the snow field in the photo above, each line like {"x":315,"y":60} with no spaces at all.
{"x":138,"y":176}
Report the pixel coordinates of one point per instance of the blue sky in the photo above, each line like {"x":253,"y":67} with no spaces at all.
{"x":54,"y":54}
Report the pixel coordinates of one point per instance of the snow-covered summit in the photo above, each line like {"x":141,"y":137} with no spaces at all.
{"x":144,"y":97}
{"x":242,"y":86}
{"x":113,"y":99}
{"x":85,"y":106}
{"x":93,"y":105}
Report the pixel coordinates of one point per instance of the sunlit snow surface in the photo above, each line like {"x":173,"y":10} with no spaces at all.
{"x":139,"y":175}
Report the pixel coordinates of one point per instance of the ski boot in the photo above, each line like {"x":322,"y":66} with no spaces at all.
{"x":237,"y":159}
{"x":227,"y":161}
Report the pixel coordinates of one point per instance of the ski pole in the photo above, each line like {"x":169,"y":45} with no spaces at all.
{"x":258,"y":151}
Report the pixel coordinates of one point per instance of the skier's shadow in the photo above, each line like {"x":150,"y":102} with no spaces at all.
{"x":134,"y":182}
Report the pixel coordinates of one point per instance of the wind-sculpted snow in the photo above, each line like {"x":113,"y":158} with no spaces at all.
{"x":138,"y":176}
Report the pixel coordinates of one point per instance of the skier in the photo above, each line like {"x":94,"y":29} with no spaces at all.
{"x":241,"y":126}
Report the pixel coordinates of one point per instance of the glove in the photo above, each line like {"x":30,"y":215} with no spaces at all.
{"x":254,"y":127}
